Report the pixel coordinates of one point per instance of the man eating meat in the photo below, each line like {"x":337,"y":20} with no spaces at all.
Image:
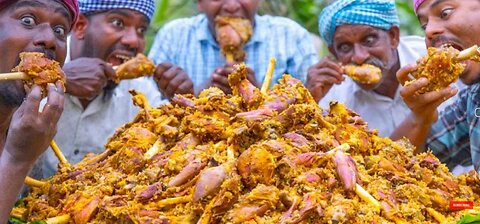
{"x":189,"y":50}
{"x":28,"y":26}
{"x":454,"y":134}
{"x":107,"y":34}
{"x":364,"y":33}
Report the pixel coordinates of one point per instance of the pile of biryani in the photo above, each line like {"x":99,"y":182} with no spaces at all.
{"x":250,"y":157}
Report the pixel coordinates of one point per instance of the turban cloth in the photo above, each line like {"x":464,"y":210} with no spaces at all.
{"x":146,"y":7}
{"x":376,"y":13}
{"x":72,"y":6}
{"x":416,"y":4}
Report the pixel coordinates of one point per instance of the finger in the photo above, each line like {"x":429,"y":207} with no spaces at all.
{"x":32,"y":103}
{"x":161,"y":68}
{"x":220,"y":79}
{"x":109,"y":71}
{"x":186,"y":87}
{"x":328,"y":72}
{"x":168,"y":75}
{"x":412,"y":88}
{"x":403,"y":74}
{"x":55,"y":102}
{"x":441,"y":95}
{"x":225,"y":89}
{"x":175,"y":83}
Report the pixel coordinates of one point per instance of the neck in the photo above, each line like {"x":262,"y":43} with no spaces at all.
{"x":390,"y":84}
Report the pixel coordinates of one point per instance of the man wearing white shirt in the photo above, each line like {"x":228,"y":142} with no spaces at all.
{"x":105,"y":34}
{"x":364,"y":32}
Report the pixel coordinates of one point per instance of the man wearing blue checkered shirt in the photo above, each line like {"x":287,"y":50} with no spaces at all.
{"x":189,"y":47}
{"x":454,"y":134}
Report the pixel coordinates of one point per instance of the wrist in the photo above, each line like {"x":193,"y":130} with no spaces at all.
{"x":11,"y":164}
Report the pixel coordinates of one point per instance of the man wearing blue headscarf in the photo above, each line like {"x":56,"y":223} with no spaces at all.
{"x":106,"y":33}
{"x":364,"y":32}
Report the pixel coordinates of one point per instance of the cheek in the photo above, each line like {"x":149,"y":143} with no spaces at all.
{"x":13,"y":41}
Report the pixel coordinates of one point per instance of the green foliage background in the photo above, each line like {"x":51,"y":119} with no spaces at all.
{"x":304,"y":12}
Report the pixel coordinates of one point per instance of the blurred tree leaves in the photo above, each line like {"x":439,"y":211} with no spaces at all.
{"x":304,"y":12}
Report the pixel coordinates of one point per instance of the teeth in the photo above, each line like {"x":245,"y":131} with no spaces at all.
{"x":123,"y":57}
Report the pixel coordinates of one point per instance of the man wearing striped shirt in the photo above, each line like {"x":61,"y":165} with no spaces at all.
{"x":454,"y":134}
{"x":187,"y":50}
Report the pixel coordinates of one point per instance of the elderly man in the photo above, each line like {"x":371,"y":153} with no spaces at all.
{"x":364,"y":32}
{"x":106,"y":32}
{"x":454,"y":134}
{"x":187,"y":50}
{"x":34,"y":26}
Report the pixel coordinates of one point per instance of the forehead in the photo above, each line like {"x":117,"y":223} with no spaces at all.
{"x":47,"y":5}
{"x":128,"y":14}
{"x":351,"y":31}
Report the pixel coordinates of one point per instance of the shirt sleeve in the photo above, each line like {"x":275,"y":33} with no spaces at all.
{"x":449,"y":136}
{"x":161,"y":48}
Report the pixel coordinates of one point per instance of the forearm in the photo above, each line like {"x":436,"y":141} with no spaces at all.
{"x":12,"y":176}
{"x":416,"y":132}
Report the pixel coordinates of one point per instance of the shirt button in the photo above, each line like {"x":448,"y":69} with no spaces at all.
{"x":76,"y":151}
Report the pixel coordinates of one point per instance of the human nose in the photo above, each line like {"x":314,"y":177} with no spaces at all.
{"x":45,"y":38}
{"x":360,"y":54}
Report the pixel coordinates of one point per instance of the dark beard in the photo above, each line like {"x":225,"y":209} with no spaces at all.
{"x":10,"y":95}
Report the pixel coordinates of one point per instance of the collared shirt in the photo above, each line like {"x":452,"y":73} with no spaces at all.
{"x":82,"y":131}
{"x":380,"y":112}
{"x":189,"y":44}
{"x":455,"y":137}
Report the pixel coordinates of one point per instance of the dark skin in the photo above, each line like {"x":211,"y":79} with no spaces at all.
{"x":233,"y":8}
{"x":358,"y":44}
{"x":173,"y":80}
{"x":113,"y":34}
{"x":42,"y":26}
{"x":453,"y":22}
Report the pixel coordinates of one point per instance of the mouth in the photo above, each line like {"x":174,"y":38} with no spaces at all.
{"x":119,"y":57}
{"x":451,"y":44}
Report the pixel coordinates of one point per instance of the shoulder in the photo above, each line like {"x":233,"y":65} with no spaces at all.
{"x":278,"y":22}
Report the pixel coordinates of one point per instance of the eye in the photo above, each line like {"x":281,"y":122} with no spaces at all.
{"x":445,"y":13}
{"x":28,"y":20}
{"x":344,"y":48}
{"x":60,"y":31}
{"x":370,"y":40}
{"x":142,"y":30}
{"x":117,"y":22}
{"x":424,"y":26}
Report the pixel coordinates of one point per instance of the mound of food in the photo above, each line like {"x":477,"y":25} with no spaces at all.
{"x":250,"y":158}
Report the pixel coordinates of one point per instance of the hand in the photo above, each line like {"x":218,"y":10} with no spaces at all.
{"x":30,"y":131}
{"x":86,"y":77}
{"x":423,"y":106}
{"x":219,"y":78}
{"x":322,"y":76}
{"x":172,"y":80}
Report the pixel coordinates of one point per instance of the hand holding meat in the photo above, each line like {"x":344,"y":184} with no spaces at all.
{"x":322,"y":76}
{"x":31,"y":131}
{"x":86,"y":77}
{"x":424,"y":106}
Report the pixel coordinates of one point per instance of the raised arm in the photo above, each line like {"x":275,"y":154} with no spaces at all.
{"x":29,"y":135}
{"x":423,"y":108}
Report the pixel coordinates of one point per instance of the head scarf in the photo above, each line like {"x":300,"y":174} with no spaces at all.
{"x":146,"y":7}
{"x":377,"y":13}
{"x":72,"y":6}
{"x":416,"y":4}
